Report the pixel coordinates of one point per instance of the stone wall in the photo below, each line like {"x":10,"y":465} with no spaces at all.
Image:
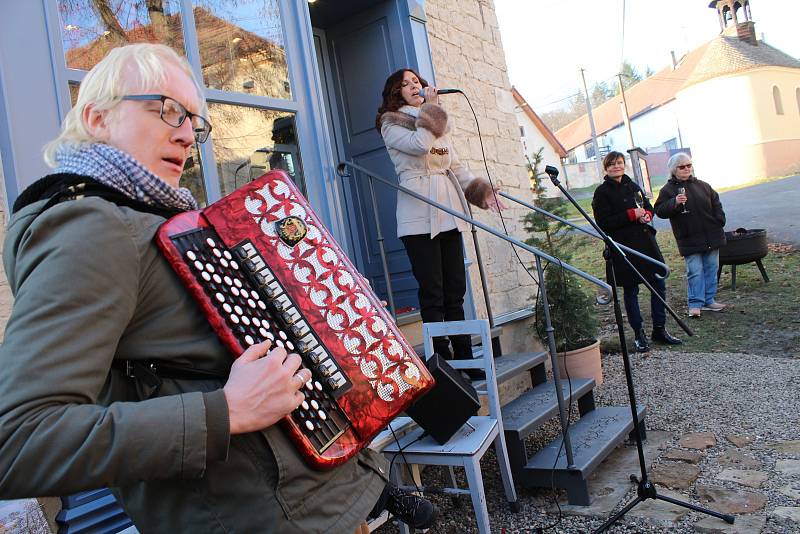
{"x":468,"y":54}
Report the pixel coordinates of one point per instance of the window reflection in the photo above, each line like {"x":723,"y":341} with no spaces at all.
{"x":242,"y":47}
{"x":90,"y":28}
{"x":248,"y":142}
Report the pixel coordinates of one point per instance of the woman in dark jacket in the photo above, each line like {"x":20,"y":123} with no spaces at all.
{"x":622,"y":210}
{"x":698,"y":223}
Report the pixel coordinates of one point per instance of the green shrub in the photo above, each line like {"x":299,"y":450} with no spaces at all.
{"x":572,"y":308}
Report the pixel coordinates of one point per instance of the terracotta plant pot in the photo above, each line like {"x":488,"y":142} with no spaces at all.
{"x":582,"y":363}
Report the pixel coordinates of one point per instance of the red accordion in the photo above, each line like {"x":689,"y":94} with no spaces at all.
{"x":262,"y":266}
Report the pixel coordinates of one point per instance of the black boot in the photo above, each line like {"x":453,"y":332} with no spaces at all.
{"x":661,"y":335}
{"x":640,"y":341}
{"x":409,"y":508}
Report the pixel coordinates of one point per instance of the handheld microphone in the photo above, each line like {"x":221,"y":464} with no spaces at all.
{"x":443,"y":92}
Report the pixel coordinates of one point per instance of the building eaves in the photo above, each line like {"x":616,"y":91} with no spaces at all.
{"x":539,"y":123}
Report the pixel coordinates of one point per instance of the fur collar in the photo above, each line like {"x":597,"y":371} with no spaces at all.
{"x":399,"y":118}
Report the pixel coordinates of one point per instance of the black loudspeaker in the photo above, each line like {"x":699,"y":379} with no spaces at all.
{"x":445,"y":408}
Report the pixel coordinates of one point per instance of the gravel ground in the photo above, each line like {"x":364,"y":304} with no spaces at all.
{"x":722,"y":393}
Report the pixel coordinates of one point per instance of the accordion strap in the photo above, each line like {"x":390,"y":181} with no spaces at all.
{"x":148,"y":374}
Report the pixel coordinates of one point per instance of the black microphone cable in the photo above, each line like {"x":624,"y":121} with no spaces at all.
{"x":538,"y":292}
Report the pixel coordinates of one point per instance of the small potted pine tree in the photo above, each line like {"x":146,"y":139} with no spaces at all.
{"x":572,"y":308}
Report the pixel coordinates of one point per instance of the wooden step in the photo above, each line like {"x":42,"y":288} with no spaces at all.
{"x":594,"y":436}
{"x":508,"y":366}
{"x":533,"y":408}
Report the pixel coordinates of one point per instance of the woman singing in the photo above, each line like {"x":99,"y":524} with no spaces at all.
{"x":414,"y":128}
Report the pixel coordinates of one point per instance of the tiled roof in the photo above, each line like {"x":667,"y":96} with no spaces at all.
{"x":720,"y":56}
{"x":729,"y":55}
{"x":648,"y":94}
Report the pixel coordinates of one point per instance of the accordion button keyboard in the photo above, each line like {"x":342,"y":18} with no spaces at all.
{"x":327,"y":368}
{"x":336,"y":381}
{"x":255,"y":307}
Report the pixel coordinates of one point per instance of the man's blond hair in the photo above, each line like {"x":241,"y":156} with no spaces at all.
{"x":130,"y":69}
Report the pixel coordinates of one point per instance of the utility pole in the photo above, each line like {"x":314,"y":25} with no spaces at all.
{"x":625,"y":111}
{"x":591,"y":123}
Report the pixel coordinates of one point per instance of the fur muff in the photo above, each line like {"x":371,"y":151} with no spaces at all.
{"x":432,"y":118}
{"x":477,"y":191}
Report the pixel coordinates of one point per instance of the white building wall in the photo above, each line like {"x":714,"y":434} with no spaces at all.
{"x":532,"y":141}
{"x":651,"y":129}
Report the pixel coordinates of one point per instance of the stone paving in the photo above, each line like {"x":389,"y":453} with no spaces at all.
{"x":721,"y":435}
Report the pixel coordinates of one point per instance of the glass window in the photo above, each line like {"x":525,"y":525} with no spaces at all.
{"x":776,"y":97}
{"x":248,"y":142}
{"x":242,"y":47}
{"x":797,"y":97}
{"x":90,"y":28}
{"x":192,"y":177}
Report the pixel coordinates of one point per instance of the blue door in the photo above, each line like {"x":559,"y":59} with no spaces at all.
{"x":359,"y":54}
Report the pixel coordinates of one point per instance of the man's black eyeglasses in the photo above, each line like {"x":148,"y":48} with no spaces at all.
{"x":173,"y":113}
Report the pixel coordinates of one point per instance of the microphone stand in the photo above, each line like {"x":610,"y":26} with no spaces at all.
{"x":645,"y":489}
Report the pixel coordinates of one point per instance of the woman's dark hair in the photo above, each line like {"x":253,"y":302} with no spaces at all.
{"x":392,"y":99}
{"x":611,"y":157}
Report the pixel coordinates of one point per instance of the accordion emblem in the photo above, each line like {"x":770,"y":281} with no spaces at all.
{"x":263,"y":267}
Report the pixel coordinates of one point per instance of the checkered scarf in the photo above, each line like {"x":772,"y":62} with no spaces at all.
{"x":117,"y":169}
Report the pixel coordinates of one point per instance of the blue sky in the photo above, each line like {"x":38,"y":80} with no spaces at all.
{"x":547,"y":41}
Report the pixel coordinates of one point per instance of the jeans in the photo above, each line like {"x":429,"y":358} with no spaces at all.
{"x":701,"y":277}
{"x":631,"y":298}
{"x":438,"y":266}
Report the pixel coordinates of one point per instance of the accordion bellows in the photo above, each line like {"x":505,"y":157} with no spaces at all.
{"x":262,"y":266}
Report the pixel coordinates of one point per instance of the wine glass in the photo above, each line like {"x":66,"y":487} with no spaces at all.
{"x":684,"y":209}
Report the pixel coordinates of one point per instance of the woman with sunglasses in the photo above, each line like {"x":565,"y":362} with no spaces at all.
{"x":698,"y":223}
{"x":110,"y":374}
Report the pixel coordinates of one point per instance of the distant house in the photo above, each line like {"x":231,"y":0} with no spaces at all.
{"x":535,"y":135}
{"x":734,"y":102}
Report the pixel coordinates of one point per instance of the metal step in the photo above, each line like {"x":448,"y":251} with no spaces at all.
{"x":508,"y":366}
{"x":96,"y":512}
{"x":529,"y":411}
{"x":593,"y":438}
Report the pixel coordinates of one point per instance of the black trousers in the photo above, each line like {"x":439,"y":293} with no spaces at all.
{"x":438,"y":266}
